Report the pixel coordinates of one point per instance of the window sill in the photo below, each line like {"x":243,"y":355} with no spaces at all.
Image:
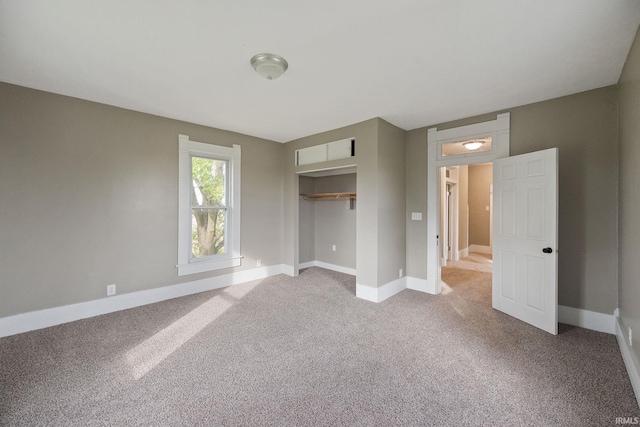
{"x":203,"y":266}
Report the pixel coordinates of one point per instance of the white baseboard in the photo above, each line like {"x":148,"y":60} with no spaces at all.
{"x":416,"y":284}
{"x":462,"y":254}
{"x":381,"y":293}
{"x":432,"y":287}
{"x":480,"y":249}
{"x":333,"y":267}
{"x":55,"y":316}
{"x":367,"y":292}
{"x":392,"y":288}
{"x":422,"y":285}
{"x":306,"y":264}
{"x":287,"y":269}
{"x":630,"y":361}
{"x":587,"y":319}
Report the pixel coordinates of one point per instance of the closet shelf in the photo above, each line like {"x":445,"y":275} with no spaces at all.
{"x":329,"y":196}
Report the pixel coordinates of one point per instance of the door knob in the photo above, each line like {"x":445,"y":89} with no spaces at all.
{"x":547,"y":250}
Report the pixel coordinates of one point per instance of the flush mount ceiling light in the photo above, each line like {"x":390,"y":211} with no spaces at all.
{"x":268,"y":65}
{"x":473,"y":145}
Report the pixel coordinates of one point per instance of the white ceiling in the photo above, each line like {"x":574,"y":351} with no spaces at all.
{"x":412,"y":63}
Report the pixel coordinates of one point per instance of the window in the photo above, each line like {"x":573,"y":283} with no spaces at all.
{"x":209,"y":206}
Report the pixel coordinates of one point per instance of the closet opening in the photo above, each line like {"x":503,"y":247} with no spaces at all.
{"x":327,"y":206}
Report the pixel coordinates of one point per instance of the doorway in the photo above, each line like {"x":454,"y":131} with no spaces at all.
{"x":525,"y":285}
{"x":466,"y":214}
{"x":465,"y":145}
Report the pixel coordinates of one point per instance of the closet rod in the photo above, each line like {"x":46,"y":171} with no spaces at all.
{"x":330,"y":196}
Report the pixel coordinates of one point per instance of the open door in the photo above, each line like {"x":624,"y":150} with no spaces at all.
{"x":525,"y":240}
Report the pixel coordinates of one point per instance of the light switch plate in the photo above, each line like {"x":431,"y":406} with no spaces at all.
{"x":416,"y":216}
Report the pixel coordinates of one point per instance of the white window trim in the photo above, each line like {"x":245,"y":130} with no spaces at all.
{"x":232,"y":257}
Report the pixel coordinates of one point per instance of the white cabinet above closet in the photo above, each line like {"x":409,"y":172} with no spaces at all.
{"x":322,"y":153}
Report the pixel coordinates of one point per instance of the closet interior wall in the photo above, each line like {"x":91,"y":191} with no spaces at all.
{"x":327,"y":223}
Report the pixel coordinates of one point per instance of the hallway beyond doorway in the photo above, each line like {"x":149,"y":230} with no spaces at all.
{"x":468,"y":278}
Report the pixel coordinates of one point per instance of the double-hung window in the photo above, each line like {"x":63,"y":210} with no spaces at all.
{"x":209,"y":206}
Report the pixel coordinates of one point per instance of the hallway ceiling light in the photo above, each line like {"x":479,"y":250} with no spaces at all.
{"x":473,"y":145}
{"x":269,"y":66}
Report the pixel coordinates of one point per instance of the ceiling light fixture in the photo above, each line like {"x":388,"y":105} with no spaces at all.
{"x":473,"y":145}
{"x":269,"y":66}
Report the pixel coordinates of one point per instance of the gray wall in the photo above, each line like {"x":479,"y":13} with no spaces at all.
{"x":88,"y":197}
{"x":416,"y":201}
{"x":629,"y":187}
{"x":584,"y":128}
{"x":480,"y":180}
{"x":334,"y":223}
{"x":391,"y":202}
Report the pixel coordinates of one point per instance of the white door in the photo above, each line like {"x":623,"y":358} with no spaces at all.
{"x":525,"y":240}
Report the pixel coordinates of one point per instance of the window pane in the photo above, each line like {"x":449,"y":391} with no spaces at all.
{"x":468,"y":146}
{"x":207,"y":231}
{"x":208,"y":182}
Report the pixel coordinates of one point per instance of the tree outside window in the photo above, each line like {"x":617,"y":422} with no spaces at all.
{"x":209,"y":206}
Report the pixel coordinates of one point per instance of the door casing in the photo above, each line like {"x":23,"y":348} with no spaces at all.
{"x":499,"y":130}
{"x":450,"y":215}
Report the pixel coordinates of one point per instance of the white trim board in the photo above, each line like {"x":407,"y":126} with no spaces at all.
{"x":630,"y":361}
{"x":26,"y":322}
{"x":587,"y":319}
{"x":481,"y":249}
{"x":327,"y":266}
{"x":381,"y":293}
{"x":422,"y":285}
{"x":288,"y":270}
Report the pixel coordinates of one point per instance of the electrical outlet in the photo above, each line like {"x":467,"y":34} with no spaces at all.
{"x":111,"y":290}
{"x":333,"y":248}
{"x":630,"y":337}
{"x":259,"y":263}
{"x":400,"y":273}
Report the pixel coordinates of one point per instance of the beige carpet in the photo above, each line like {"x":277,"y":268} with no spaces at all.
{"x":305,"y":351}
{"x":475,"y":262}
{"x":469,"y":278}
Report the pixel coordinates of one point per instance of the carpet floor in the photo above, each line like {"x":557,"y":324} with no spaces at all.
{"x":305,"y":351}
{"x":474,"y":261}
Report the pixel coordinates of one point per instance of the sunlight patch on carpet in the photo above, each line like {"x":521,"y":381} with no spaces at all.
{"x":148,"y":354}
{"x":445,"y":288}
